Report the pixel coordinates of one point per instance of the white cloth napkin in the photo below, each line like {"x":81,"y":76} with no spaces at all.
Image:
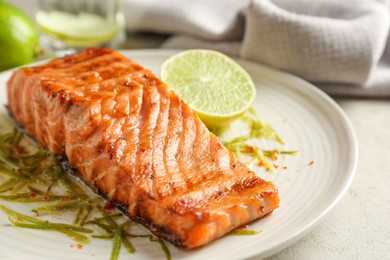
{"x":340,"y":46}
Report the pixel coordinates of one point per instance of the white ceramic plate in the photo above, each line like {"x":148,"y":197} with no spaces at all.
{"x":306,"y":118}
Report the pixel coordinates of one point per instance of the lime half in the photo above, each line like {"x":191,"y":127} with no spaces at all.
{"x":217,"y":88}
{"x":82,"y":27}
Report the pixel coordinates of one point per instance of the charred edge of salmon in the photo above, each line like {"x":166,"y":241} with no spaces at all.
{"x":160,"y":231}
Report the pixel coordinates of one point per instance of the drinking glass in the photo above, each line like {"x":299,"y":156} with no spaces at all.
{"x":70,"y":25}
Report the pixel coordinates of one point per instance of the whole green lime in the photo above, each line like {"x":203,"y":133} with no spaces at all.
{"x":18,"y":37}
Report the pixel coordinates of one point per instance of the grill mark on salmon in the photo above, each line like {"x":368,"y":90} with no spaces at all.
{"x":174,"y":175}
{"x":136,"y":143}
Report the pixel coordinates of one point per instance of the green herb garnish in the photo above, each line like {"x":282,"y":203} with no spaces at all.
{"x":244,"y":148}
{"x":245,"y":232}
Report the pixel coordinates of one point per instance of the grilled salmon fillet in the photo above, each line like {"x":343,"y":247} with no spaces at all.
{"x":136,"y":143}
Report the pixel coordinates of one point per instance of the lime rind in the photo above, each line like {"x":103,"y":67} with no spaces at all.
{"x":217,"y":88}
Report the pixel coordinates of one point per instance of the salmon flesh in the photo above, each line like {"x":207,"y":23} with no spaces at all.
{"x":139,"y":145}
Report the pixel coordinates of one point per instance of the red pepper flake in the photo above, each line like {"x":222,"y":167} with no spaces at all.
{"x":45,"y":198}
{"x":79,"y":246}
{"x":284,"y":167}
{"x":108,"y":206}
{"x":33,"y":195}
{"x":20,"y":149}
{"x":274,"y":154}
{"x":311,"y":163}
{"x":260,"y":163}
{"x":250,"y":148}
